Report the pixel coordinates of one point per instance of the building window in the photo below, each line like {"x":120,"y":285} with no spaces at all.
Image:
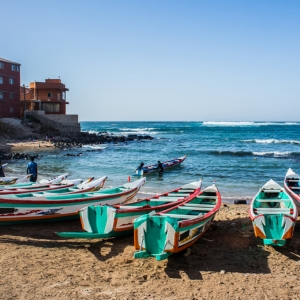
{"x":15,"y":68}
{"x":1,"y":65}
{"x":1,"y":95}
{"x":11,"y":109}
{"x":49,"y":95}
{"x":1,"y":80}
{"x":11,"y":81}
{"x":11,"y":95}
{"x":50,"y":107}
{"x":63,"y":96}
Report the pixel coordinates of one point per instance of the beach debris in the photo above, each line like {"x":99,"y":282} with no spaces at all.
{"x":207,"y":240}
{"x":247,"y":235}
{"x":87,"y":246}
{"x":297,"y":263}
{"x":187,"y":253}
{"x":222,"y":272}
{"x":240,"y":201}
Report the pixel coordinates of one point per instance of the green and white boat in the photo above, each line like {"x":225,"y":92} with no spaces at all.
{"x":273,"y":214}
{"x":173,"y":230}
{"x":62,"y":207}
{"x":115,"y":220}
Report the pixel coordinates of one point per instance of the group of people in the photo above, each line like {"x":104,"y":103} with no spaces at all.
{"x":31,"y":169}
{"x":159,"y":167}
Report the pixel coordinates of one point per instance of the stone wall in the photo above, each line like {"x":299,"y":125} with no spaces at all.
{"x":66,"y":124}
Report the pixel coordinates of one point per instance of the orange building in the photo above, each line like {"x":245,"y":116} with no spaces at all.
{"x":49,"y":96}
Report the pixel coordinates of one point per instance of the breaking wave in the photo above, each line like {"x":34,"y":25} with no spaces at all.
{"x":271,"y":141}
{"x":223,"y":123}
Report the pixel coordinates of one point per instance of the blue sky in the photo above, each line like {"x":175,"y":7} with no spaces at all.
{"x":161,"y":60}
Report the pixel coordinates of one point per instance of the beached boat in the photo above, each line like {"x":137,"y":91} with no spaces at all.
{"x":87,"y":186}
{"x":7,"y":182}
{"x":292,"y":187}
{"x":115,"y":220}
{"x":166,"y":165}
{"x":273,"y":214}
{"x":61,"y":207}
{"x":173,"y":230}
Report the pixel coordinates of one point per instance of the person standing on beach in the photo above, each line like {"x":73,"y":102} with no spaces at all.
{"x":1,"y":170}
{"x":32,"y":169}
{"x":160,"y":167}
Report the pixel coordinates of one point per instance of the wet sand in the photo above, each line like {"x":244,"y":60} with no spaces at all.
{"x":227,"y":263}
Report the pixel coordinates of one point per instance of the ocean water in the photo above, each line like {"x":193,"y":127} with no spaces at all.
{"x":239,"y":156}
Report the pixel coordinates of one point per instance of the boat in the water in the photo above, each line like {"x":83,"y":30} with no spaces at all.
{"x":292,"y":187}
{"x":116,"y":220}
{"x":87,"y":186}
{"x":173,"y":230}
{"x":62,"y":207}
{"x":273,"y":214}
{"x":166,"y":165}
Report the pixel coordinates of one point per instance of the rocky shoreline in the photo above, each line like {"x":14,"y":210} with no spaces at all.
{"x":84,"y":138}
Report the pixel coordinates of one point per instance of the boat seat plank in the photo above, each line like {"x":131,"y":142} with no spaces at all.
{"x":177,"y":216}
{"x":196,"y":208}
{"x":130,"y":206}
{"x":273,"y":200}
{"x":272,"y":210}
{"x":271,"y":191}
{"x":164,"y":200}
{"x":179,"y":194}
{"x":292,"y":180}
{"x":295,"y":187}
{"x":207,"y":197}
{"x":186,"y":191}
{"x":199,"y":205}
{"x":169,"y":198}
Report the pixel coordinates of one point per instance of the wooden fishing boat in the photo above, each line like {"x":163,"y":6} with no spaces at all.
{"x":166,"y":165}
{"x":62,"y":207}
{"x":173,"y":230}
{"x":292,"y":187}
{"x":87,"y":186}
{"x":8,"y":182}
{"x":115,"y":220}
{"x":273,"y":214}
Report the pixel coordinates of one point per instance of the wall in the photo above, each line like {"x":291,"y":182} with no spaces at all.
{"x":66,"y":124}
{"x":7,"y":103}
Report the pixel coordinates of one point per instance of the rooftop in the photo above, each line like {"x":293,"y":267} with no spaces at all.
{"x":9,"y":61}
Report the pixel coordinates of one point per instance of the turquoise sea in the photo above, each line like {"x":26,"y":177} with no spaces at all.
{"x":239,"y":156}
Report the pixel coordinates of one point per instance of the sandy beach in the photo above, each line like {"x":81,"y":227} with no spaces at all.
{"x":227,"y":263}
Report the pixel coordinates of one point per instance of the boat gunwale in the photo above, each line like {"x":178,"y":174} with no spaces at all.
{"x":61,"y":202}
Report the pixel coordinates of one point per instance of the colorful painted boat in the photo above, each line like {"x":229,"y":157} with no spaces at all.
{"x":62,"y":207}
{"x":292,"y":187}
{"x":173,"y":230}
{"x":8,"y":182}
{"x":273,"y":214}
{"x":166,"y":165}
{"x":84,"y":187}
{"x":115,"y":220}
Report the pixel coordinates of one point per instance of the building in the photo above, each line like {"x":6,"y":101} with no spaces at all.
{"x":48,"y":96}
{"x":9,"y":89}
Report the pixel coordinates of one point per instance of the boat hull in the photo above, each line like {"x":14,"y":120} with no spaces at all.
{"x":20,"y":211}
{"x":273,"y":214}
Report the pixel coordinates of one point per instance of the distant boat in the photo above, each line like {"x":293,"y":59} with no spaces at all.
{"x":291,"y":185}
{"x":162,"y":234}
{"x":62,"y":207}
{"x":104,"y":221}
{"x":273,"y":214}
{"x":166,"y":165}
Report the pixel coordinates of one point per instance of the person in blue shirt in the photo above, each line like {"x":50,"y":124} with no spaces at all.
{"x":33,"y":170}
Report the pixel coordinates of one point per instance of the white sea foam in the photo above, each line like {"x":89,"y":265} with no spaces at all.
{"x":93,"y":147}
{"x":271,"y":141}
{"x":137,"y":129}
{"x":225,"y":123}
{"x":272,"y":153}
